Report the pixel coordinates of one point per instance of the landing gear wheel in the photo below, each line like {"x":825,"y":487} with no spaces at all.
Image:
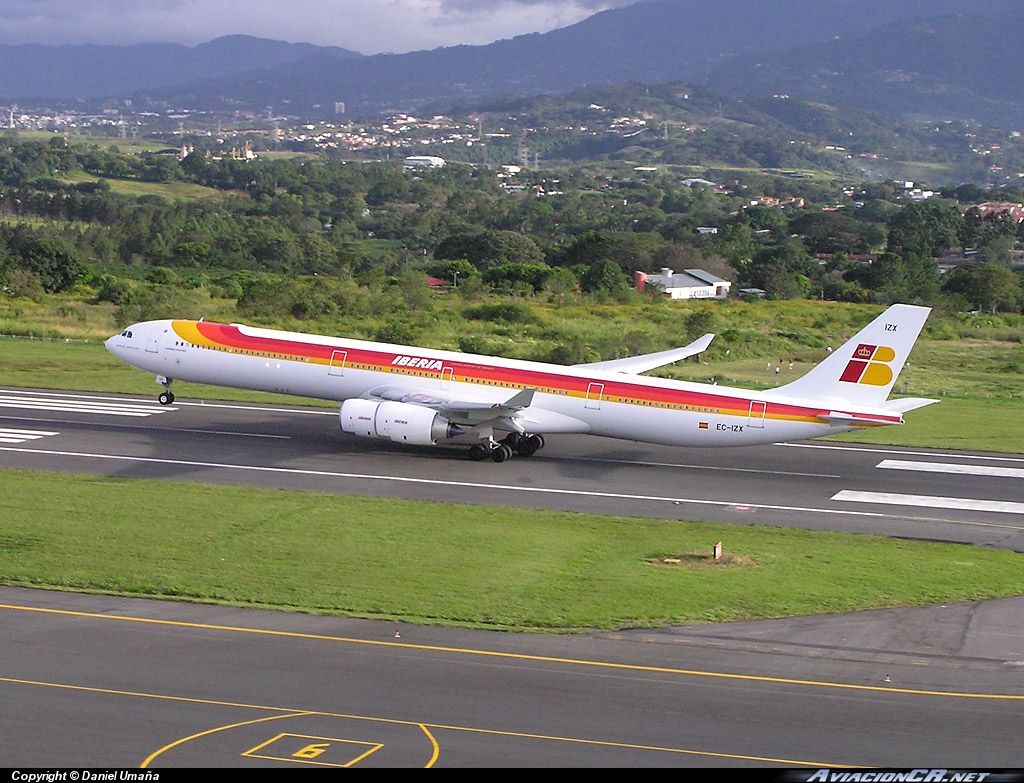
{"x":165,"y":398}
{"x":529,"y":446}
{"x":513,"y":440}
{"x":477,"y":452}
{"x":501,"y":453}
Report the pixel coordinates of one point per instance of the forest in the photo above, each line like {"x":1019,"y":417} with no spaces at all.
{"x":350,"y":246}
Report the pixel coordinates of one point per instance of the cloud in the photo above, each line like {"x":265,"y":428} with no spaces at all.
{"x":367,"y":26}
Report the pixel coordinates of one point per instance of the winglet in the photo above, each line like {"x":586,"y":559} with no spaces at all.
{"x":634,"y":365}
{"x":519,"y":400}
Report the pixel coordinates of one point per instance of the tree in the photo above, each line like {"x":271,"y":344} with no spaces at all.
{"x":604,"y":275}
{"x":832,"y":232}
{"x":389,"y":186}
{"x":517,"y":277}
{"x":764,"y":218}
{"x":893,"y":278}
{"x":490,"y":248}
{"x":926,"y":229}
{"x":775,"y":269}
{"x":982,"y":230}
{"x":631,"y":251}
{"x":452,"y":269}
{"x":55,"y":264}
{"x":987,"y":287}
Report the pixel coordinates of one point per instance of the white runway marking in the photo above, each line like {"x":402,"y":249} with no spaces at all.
{"x":67,"y":398}
{"x":904,"y":452}
{"x":702,"y":467}
{"x":930,"y":501}
{"x":80,"y":405}
{"x":20,"y":436}
{"x":142,"y":427}
{"x":947,"y":467}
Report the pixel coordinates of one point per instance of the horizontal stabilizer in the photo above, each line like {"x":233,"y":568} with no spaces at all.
{"x":840,"y":419}
{"x":908,"y":404}
{"x":634,"y":365}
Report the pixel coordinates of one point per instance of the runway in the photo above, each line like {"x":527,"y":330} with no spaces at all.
{"x":910,"y":493}
{"x":105,"y":681}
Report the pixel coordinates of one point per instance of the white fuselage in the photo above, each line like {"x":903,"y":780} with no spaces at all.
{"x":567,"y":399}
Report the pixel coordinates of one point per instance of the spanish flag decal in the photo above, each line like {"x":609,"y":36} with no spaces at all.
{"x":702,"y":425}
{"x":870,"y":365}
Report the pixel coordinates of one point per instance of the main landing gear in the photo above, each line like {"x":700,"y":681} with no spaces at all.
{"x":514,"y":443}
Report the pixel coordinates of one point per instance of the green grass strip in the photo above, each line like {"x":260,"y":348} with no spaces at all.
{"x":455,"y":564}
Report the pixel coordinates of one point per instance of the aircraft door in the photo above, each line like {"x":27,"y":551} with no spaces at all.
{"x":337,"y":365}
{"x":756,"y":415}
{"x":447,"y":373}
{"x":594,"y":392}
{"x":153,"y":343}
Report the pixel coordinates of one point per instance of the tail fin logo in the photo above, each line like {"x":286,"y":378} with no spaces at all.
{"x":870,"y":365}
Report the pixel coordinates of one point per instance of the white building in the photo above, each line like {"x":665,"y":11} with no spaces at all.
{"x":424,"y":162}
{"x":690,"y":284}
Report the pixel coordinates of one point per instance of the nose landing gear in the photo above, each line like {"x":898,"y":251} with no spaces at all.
{"x":166,"y":397}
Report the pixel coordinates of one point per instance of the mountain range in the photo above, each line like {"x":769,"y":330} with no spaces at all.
{"x":86,"y":71}
{"x":957,"y":59}
{"x":955,"y":67}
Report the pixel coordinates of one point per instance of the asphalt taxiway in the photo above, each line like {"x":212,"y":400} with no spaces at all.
{"x":97,"y":680}
{"x":105,"y":681}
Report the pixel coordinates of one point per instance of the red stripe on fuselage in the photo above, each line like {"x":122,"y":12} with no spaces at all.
{"x":232,"y":337}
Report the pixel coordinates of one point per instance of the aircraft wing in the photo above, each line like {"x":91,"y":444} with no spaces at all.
{"x":634,"y":365}
{"x":513,"y":415}
{"x":479,"y":412}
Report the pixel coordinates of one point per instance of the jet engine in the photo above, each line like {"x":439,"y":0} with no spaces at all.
{"x":396,"y":421}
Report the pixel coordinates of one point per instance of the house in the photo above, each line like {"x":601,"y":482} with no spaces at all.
{"x":1014,"y":210}
{"x":690,"y":284}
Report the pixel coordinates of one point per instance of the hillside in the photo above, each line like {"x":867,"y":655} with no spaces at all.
{"x":954,"y":67}
{"x":677,"y":124}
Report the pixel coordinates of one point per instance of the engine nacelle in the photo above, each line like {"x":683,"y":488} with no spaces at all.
{"x":396,"y":421}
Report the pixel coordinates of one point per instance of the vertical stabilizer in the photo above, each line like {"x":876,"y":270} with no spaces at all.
{"x":863,"y":370}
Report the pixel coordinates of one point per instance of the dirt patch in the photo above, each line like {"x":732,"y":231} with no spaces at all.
{"x":702,"y":560}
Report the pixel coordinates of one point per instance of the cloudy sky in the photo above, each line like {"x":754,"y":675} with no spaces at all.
{"x":367,"y":26}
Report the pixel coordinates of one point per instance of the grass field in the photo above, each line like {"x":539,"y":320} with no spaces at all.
{"x":454,"y":564}
{"x":103,"y":142}
{"x":169,"y":190}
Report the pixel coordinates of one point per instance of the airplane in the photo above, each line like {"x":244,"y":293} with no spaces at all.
{"x":506,"y":406}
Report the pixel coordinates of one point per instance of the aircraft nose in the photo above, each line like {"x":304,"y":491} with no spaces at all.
{"x":119,"y":344}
